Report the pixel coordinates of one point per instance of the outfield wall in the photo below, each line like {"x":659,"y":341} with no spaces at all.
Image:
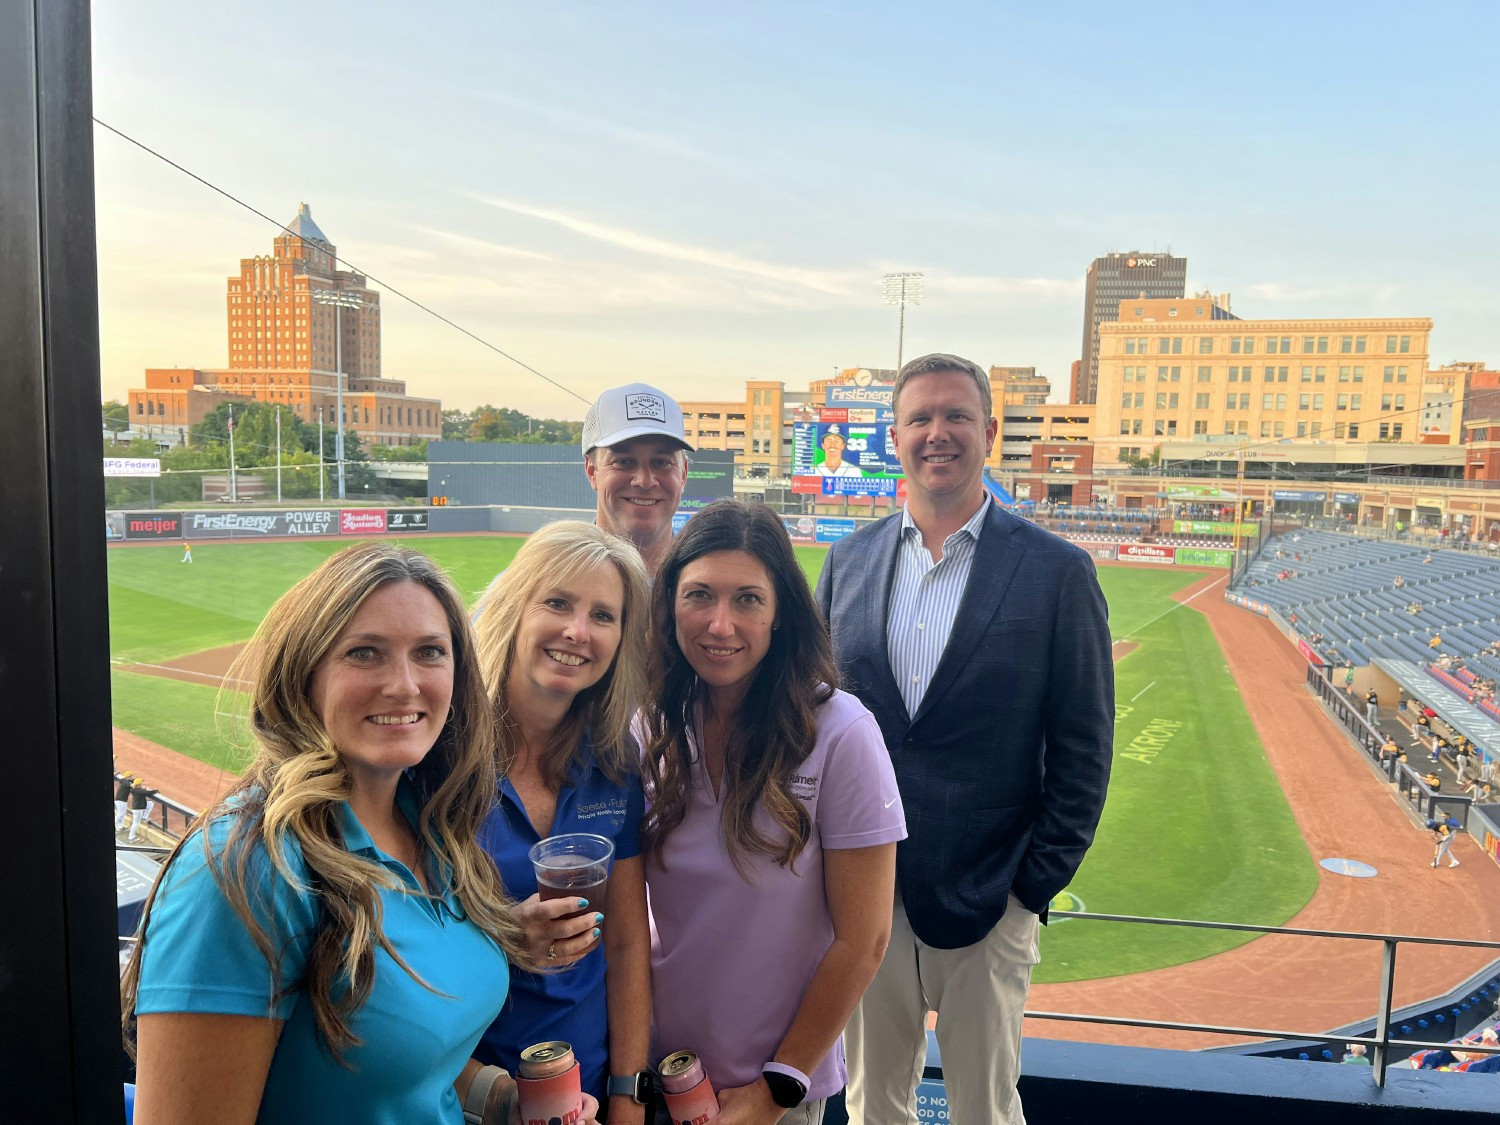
{"x":276,"y":523}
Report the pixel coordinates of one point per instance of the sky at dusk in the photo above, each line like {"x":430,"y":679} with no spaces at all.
{"x":700,"y":194}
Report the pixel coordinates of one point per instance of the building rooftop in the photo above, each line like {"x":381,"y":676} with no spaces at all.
{"x":304,"y":227}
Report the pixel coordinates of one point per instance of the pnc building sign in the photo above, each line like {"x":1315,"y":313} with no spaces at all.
{"x":1137,"y":263}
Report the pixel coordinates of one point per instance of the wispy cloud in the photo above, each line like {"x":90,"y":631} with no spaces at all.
{"x":843,"y":283}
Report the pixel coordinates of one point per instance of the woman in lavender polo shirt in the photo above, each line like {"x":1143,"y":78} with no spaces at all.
{"x":771,"y":827}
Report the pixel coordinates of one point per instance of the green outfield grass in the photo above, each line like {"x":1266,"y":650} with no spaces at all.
{"x":1196,"y":825}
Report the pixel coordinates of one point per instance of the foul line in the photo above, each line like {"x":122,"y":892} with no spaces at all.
{"x":1143,"y":691}
{"x":179,"y":671}
{"x":1175,"y":606}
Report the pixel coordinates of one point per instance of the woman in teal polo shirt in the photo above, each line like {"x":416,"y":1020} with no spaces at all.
{"x":332,"y":942}
{"x":561,"y":638}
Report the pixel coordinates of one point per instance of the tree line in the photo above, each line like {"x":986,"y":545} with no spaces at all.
{"x":207,"y":449}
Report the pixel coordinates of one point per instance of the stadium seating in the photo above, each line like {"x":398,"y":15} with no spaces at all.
{"x":1345,"y":588}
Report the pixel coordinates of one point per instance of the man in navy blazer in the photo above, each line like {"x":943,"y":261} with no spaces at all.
{"x":981,"y":644}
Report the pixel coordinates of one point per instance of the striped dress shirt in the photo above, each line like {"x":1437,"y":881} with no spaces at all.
{"x":924,"y":603}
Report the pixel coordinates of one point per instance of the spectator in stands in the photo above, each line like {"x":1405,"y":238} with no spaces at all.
{"x":1428,"y":558}
{"x":122,"y":796}
{"x":1436,"y":642}
{"x":1398,"y":582}
{"x":331,"y":941}
{"x":1443,"y":835}
{"x":1349,"y":678}
{"x":569,"y":764}
{"x":1355,"y":1053}
{"x":1372,"y":707}
{"x":141,"y":804}
{"x":1414,"y":607}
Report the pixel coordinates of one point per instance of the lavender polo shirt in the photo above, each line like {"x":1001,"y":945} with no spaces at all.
{"x":731,"y":959}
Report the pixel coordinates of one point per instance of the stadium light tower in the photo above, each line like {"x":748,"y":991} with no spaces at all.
{"x":340,"y":300}
{"x":902,"y":289}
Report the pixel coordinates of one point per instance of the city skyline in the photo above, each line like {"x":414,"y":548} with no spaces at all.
{"x":698,"y":198}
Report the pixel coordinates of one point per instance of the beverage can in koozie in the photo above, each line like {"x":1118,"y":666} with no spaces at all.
{"x":686,"y":1089}
{"x":548,"y":1084}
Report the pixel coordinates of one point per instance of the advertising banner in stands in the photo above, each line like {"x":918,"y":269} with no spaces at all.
{"x":1102,"y":551}
{"x":362,"y":521}
{"x":114,"y":525}
{"x":153,"y":525}
{"x":800,"y":529}
{"x":1308,"y":653}
{"x":1247,"y":603}
{"x":403,"y":520}
{"x":1203,"y":556}
{"x":1300,"y":496}
{"x":1212,"y":527}
{"x":832,"y":530}
{"x":1346,"y":498}
{"x":1145,"y":552}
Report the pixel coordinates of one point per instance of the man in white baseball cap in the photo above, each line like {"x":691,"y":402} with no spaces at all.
{"x":635,"y":455}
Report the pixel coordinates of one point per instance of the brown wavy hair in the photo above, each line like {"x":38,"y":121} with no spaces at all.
{"x":559,"y":553}
{"x":777,"y":723}
{"x":289,"y":795}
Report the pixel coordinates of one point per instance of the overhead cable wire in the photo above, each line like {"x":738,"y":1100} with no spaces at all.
{"x":385,"y":285}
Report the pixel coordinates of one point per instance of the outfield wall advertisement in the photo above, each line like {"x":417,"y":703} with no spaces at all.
{"x":1146,"y":552}
{"x":1212,"y":527}
{"x":264,"y":523}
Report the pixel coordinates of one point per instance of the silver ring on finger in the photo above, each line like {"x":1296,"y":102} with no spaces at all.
{"x":552,"y":951}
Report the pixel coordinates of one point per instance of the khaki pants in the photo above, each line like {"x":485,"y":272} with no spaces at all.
{"x":979,"y":993}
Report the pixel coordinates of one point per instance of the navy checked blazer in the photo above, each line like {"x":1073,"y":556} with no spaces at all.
{"x":1004,"y":767}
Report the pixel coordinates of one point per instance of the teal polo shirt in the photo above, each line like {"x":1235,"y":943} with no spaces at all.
{"x":199,"y":957}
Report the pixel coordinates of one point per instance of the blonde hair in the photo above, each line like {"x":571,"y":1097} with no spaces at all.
{"x":558,"y":553}
{"x":290,"y":792}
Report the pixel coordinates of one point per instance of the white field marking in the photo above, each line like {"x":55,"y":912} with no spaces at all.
{"x":1175,"y":606}
{"x":1143,"y":691}
{"x":180,"y":671}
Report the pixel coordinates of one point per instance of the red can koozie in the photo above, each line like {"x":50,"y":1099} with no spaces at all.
{"x":686,"y":1089}
{"x":549,"y":1086}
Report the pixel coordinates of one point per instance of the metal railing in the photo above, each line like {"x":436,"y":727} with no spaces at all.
{"x":1381,"y":1042}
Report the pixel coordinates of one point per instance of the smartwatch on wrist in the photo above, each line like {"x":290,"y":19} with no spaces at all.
{"x":788,"y":1084}
{"x":637,"y":1087}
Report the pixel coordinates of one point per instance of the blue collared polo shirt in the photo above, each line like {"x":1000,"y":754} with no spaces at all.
{"x":568,"y":1004}
{"x":199,"y":957}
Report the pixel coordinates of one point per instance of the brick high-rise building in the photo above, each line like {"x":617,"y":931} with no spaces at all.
{"x":282,"y":350}
{"x":1111,"y":279}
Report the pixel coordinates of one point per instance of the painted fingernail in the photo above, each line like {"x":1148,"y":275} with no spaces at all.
{"x":583,"y":903}
{"x":598,"y":918}
{"x":596,"y":931}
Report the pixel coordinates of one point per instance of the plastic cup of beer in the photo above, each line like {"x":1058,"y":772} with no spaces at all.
{"x":575,"y":865}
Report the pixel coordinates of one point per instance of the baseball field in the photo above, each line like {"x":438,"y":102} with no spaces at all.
{"x":1196,"y":825}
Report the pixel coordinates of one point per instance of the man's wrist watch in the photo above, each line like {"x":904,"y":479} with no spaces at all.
{"x":637,"y":1087}
{"x":788,"y":1084}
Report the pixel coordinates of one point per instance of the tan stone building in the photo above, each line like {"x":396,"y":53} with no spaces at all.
{"x":1174,"y":370}
{"x":282,"y":350}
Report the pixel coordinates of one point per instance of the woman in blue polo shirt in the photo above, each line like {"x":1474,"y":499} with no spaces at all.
{"x":332,"y":942}
{"x":561,"y":645}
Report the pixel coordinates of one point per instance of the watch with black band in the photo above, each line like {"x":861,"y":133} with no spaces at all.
{"x":637,"y":1087}
{"x":788,"y":1084}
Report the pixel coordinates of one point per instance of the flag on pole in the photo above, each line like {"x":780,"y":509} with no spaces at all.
{"x":231,"y":419}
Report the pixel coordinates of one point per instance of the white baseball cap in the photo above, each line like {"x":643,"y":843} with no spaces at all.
{"x":632,"y":411}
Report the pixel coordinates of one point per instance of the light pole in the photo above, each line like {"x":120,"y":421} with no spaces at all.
{"x":321,"y":471}
{"x":902,"y":289}
{"x":340,"y":300}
